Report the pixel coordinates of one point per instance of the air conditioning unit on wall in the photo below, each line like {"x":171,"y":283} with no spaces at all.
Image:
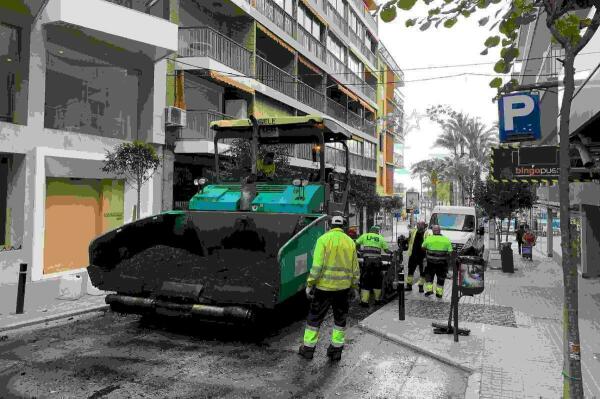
{"x":175,"y":117}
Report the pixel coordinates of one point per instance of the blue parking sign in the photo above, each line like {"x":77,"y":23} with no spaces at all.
{"x":519,"y":117}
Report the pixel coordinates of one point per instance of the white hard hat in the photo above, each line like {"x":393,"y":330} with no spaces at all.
{"x":337,"y":221}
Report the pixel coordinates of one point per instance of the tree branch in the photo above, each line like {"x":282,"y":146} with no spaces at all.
{"x":591,"y":30}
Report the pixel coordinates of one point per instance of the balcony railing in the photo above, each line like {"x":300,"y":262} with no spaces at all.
{"x":337,"y":18}
{"x":335,"y":64}
{"x":198,"y":124}
{"x":371,"y":20}
{"x":369,"y":91}
{"x":369,"y":127}
{"x":275,"y":78}
{"x":145,"y":7}
{"x":334,"y":156}
{"x":391,"y":62}
{"x":277,"y":15}
{"x":310,"y":43}
{"x":310,"y":96}
{"x":354,"y":120}
{"x":7,"y":101}
{"x":207,"y":42}
{"x":336,"y":110}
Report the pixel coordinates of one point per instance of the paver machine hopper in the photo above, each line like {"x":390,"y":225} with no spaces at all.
{"x":241,"y":248}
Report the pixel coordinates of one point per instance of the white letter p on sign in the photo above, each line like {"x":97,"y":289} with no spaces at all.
{"x":510,"y":112}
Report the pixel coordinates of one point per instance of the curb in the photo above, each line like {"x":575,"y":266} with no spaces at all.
{"x":473,"y":386}
{"x":57,"y":316}
{"x":416,"y":348}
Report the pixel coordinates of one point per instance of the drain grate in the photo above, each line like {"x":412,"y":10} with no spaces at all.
{"x":487,"y":314}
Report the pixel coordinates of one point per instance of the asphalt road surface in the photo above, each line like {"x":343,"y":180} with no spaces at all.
{"x":108,"y":355}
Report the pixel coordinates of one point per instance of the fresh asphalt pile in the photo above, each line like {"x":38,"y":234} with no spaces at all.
{"x":487,"y":314}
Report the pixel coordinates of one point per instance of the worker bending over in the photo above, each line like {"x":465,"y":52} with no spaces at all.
{"x":438,"y":249}
{"x":371,"y":278}
{"x":416,"y":255}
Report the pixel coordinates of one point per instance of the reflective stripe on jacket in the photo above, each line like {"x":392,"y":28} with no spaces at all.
{"x":372,"y":240}
{"x":335,"y":264}
{"x":411,"y":239}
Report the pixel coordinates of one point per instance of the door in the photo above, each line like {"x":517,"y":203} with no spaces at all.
{"x":77,"y":211}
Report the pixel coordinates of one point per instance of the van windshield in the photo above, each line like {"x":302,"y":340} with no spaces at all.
{"x":455,"y":222}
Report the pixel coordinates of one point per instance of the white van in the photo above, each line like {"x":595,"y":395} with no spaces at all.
{"x":458,"y":223}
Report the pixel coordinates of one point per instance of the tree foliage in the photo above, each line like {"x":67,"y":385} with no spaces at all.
{"x":136,"y":161}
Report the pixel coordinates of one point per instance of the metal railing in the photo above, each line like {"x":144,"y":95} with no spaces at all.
{"x":336,"y":110}
{"x":371,"y":20}
{"x":275,"y":77}
{"x":7,"y":104}
{"x":277,"y":15}
{"x":310,"y":96}
{"x":207,"y":42}
{"x":391,"y":62}
{"x":369,"y":127}
{"x":354,"y":119}
{"x":77,"y":116}
{"x":338,"y":19}
{"x":198,"y":124}
{"x":334,"y":63}
{"x":311,"y":43}
{"x":369,"y":91}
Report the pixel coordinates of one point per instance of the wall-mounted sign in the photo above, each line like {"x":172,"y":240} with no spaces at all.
{"x":519,"y":117}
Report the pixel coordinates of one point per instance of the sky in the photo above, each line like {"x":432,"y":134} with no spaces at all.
{"x":412,"y":48}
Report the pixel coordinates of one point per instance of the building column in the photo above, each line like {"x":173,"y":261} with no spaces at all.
{"x":549,"y":233}
{"x":590,"y":241}
{"x":36,"y":98}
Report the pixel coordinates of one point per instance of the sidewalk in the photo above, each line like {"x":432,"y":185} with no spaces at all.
{"x":42,"y":304}
{"x":515,"y":346}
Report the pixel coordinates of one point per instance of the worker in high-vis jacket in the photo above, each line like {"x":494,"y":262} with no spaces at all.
{"x":438,"y":250}
{"x":265,"y":167}
{"x":371,"y":278}
{"x":332,"y":281}
{"x":416,"y":255}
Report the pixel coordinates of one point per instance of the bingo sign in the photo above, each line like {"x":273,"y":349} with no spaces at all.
{"x":412,"y":200}
{"x":519,"y":117}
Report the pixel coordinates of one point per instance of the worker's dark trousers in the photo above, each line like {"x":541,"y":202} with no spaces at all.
{"x":370,"y":276}
{"x":415,"y":261}
{"x":319,"y":307}
{"x":439,"y":270}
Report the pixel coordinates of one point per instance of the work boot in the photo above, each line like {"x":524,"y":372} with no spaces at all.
{"x":428,"y":293}
{"x":408,"y":287}
{"x":306,"y":352}
{"x":438,"y":295}
{"x":334,"y":354}
{"x":378,"y":302}
{"x":421,"y":290}
{"x":364,"y":304}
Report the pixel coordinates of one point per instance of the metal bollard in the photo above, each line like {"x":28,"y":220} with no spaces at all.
{"x":401,"y":309}
{"x":21,"y":288}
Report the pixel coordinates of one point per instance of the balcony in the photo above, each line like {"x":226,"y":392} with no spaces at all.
{"x":392,"y":63}
{"x":370,"y":20}
{"x":341,"y":113}
{"x":7,"y":96}
{"x":310,"y":96}
{"x":277,"y":15}
{"x":336,"y":110}
{"x":275,"y":77}
{"x":310,"y":43}
{"x":364,"y":50}
{"x":338,"y":19}
{"x":207,"y":42}
{"x":335,"y":64}
{"x":198,"y":125}
{"x":116,"y":24}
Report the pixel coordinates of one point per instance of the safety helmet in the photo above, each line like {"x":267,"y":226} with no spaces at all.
{"x":375,"y":229}
{"x":337,"y":221}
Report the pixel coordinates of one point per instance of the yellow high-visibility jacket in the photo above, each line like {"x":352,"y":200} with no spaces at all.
{"x":267,"y":170}
{"x":335,"y":264}
{"x":372,"y":240}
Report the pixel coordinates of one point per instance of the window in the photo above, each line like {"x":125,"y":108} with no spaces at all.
{"x":454,"y":222}
{"x":9,"y":60}
{"x":309,"y":22}
{"x":336,"y":48}
{"x":338,"y":5}
{"x":356,"y":66}
{"x":287,"y":5}
{"x":352,"y":21}
{"x":369,"y":150}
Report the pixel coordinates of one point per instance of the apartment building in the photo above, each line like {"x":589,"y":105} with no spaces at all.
{"x":278,"y":58}
{"x":77,"y":78}
{"x":541,"y":63}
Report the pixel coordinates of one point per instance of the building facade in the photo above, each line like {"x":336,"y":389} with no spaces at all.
{"x":76,"y":80}
{"x":541,"y":64}
{"x":283,"y":58}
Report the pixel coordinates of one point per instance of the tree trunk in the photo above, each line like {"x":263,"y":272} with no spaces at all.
{"x":572,"y":382}
{"x":139,"y":200}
